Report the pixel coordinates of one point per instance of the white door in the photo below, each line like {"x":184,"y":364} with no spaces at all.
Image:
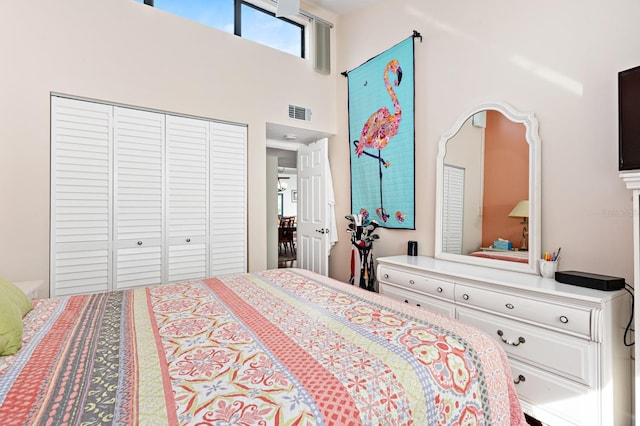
{"x":187,"y":173}
{"x":312,"y":222}
{"x":453,"y":210}
{"x":80,"y":196}
{"x":138,"y":197}
{"x":228,"y":199}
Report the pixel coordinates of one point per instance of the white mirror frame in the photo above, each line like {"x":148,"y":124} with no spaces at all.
{"x":534,"y":228}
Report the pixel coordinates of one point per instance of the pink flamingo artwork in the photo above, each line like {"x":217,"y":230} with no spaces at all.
{"x":380,"y":127}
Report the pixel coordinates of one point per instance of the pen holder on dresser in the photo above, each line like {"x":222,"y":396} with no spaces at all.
{"x":548,"y":268}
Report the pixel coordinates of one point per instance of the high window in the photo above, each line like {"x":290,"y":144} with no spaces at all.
{"x":242,"y":19}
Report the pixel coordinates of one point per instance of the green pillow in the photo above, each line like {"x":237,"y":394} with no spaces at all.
{"x":12,"y":294}
{"x":14,"y":305}
{"x":10,"y":328}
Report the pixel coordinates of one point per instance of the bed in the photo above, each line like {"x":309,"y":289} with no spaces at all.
{"x":282,"y":346}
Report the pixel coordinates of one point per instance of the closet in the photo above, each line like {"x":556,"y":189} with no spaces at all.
{"x":143,"y":197}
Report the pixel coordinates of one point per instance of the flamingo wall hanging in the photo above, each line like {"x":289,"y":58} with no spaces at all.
{"x":381,"y":135}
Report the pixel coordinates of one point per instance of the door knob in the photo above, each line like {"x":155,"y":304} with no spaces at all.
{"x":520,"y":379}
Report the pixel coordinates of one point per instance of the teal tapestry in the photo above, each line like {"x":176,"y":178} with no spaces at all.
{"x":381,"y":137}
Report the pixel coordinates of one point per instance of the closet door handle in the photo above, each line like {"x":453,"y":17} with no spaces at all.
{"x":510,"y":342}
{"x":520,"y":378}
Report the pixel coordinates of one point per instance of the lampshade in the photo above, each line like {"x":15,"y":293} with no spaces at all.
{"x":521,"y":209}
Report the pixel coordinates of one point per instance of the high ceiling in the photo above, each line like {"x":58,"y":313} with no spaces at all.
{"x":277,"y":132}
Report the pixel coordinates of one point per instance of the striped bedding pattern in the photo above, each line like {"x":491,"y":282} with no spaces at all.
{"x":278,"y":347}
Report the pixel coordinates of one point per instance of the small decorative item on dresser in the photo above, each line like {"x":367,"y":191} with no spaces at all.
{"x":412,"y":248}
{"x":549,"y":264}
{"x":501,"y":244}
{"x":548,"y":268}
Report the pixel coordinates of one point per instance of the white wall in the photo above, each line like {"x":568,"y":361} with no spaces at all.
{"x":289,"y":208}
{"x":272,"y":211}
{"x":125,"y":52}
{"x":557,"y":59}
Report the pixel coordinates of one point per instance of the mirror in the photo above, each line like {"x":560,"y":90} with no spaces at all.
{"x":488,"y":189}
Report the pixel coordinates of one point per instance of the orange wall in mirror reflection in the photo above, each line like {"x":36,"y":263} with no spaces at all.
{"x":506,"y":166}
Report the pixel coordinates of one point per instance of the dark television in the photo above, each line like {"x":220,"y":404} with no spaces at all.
{"x":629,"y":119}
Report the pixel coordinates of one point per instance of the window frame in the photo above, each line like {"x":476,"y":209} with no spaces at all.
{"x":237,"y":22}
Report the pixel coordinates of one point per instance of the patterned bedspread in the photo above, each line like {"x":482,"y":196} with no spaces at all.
{"x":281,"y":347}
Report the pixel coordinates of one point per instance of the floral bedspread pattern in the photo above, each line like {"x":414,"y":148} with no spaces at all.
{"x":281,"y":347}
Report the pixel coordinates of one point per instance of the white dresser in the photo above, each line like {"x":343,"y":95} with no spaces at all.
{"x":565,"y":344}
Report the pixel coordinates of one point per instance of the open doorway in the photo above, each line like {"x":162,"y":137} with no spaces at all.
{"x":283,"y":145}
{"x":282,"y":245}
{"x":287,"y":216}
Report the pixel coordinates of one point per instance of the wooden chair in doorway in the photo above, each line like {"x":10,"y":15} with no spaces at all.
{"x":286,"y":236}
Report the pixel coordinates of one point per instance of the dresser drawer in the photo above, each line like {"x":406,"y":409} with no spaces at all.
{"x":417,"y":282}
{"x":565,"y":355}
{"x":569,"y":319}
{"x":553,"y":400}
{"x":422,"y":301}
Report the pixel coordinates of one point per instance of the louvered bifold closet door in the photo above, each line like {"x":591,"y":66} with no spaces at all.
{"x":138,"y":197}
{"x":187,"y":143}
{"x":80,"y":196}
{"x":453,"y":211}
{"x":228,"y":213}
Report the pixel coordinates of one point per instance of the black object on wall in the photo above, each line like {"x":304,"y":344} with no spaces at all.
{"x":629,"y":119}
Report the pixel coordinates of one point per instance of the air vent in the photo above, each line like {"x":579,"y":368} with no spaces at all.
{"x":299,"y":113}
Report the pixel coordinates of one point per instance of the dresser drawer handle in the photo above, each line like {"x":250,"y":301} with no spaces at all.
{"x":509,"y":306}
{"x":510,"y":342}
{"x":520,"y":378}
{"x":439,"y":289}
{"x":412,"y":282}
{"x":564,"y":319}
{"x":465,"y":296}
{"x":139,"y":243}
{"x":406,"y":301}
{"x":188,"y":239}
{"x":386,"y":276}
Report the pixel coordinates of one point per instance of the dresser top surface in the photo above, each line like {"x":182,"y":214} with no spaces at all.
{"x":520,"y":280}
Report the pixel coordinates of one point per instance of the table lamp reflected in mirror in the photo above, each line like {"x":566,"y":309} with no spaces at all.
{"x":521,"y":210}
